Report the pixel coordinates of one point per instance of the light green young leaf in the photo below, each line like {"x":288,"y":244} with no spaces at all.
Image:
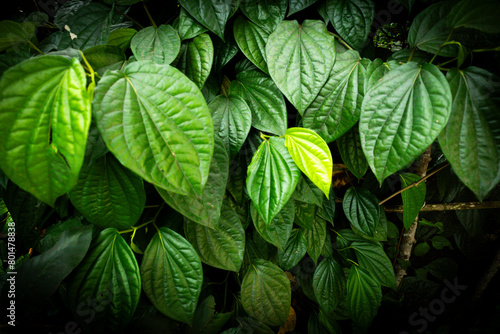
{"x":160,"y":45}
{"x":300,"y":58}
{"x":172,"y":275}
{"x":156,"y":122}
{"x":44,"y":123}
{"x":402,"y":115}
{"x":413,"y":198}
{"x":312,"y":156}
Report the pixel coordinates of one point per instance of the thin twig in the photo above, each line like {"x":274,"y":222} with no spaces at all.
{"x":449,"y":206}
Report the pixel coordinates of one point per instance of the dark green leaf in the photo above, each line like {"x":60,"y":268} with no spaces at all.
{"x":196,"y":59}
{"x":316,"y":237}
{"x":266,"y":293}
{"x":375,"y":70}
{"x":294,"y":250}
{"x":105,"y":57}
{"x":265,"y":13}
{"x":187,"y":26}
{"x":10,"y":59}
{"x":421,"y":249}
{"x":172,"y":275}
{"x":351,"y":152}
{"x":307,"y":192}
{"x":252,"y":42}
{"x":13,"y":34}
{"x":106,"y":284}
{"x":481,"y":15}
{"x":207,"y":320}
{"x":413,"y":198}
{"x":304,"y":214}
{"x":362,"y":209}
{"x":372,"y":257}
{"x":278,"y":231}
{"x":160,"y":45}
{"x":121,"y":37}
{"x":298,"y":5}
{"x":165,"y":132}
{"x":303,"y":57}
{"x":329,"y":284}
{"x":224,"y":52}
{"x":402,"y":115}
{"x":471,"y":139}
{"x":43,"y":125}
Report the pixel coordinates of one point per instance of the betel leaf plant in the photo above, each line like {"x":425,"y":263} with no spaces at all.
{"x":207,"y":166}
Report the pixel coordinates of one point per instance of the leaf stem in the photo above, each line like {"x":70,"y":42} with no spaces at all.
{"x":34,"y":47}
{"x":411,"y":54}
{"x":130,"y":18}
{"x":441,"y":46}
{"x":342,"y":41}
{"x":149,"y":15}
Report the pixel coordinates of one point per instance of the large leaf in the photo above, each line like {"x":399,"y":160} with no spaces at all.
{"x":266,"y":13}
{"x":271,"y":178}
{"x":329,"y":284}
{"x":372,"y":257}
{"x":252,"y":41}
{"x":43,"y":125}
{"x":106,"y":286}
{"x":264,"y":99}
{"x":156,"y":122}
{"x":172,"y":275}
{"x":402,"y":115}
{"x":197,"y":58}
{"x":294,"y":251}
{"x":316,"y":237}
{"x":481,"y":15}
{"x":222,"y":246}
{"x":363,"y":296}
{"x":303,"y":57}
{"x":232,"y":119}
{"x":212,"y":14}
{"x":413,"y":198}
{"x":278,"y":231}
{"x":312,"y":156}
{"x":159,"y":45}
{"x":108,"y":194}
{"x":38,"y":278}
{"x":13,"y":34}
{"x":471,"y":139}
{"x":352,"y":19}
{"x":338,"y":104}
{"x":266,"y":293}
{"x":204,"y":209}
{"x":362,"y":209}
{"x":352,"y":153}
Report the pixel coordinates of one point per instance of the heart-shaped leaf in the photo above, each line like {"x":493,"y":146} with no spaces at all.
{"x":329,"y":284}
{"x":266,"y":13}
{"x":44,"y":123}
{"x":13,"y":34}
{"x":481,"y":15}
{"x":196,"y":59}
{"x":278,"y":232}
{"x":362,"y":209}
{"x":312,"y":156}
{"x":252,"y":42}
{"x":316,"y":237}
{"x":156,"y":122}
{"x":294,"y":251}
{"x":160,"y":45}
{"x":298,"y":5}
{"x":413,"y":198}
{"x":351,"y":152}
{"x":402,"y":115}
{"x":372,"y":257}
{"x":187,"y":26}
{"x":303,"y":56}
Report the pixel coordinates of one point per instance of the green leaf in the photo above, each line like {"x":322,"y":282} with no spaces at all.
{"x":372,"y":257}
{"x":316,"y":237}
{"x":312,"y":156}
{"x":413,"y":198}
{"x":224,"y":52}
{"x":43,"y":125}
{"x":439,"y":242}
{"x":252,"y":42}
{"x":105,"y":57}
{"x":294,"y":251}
{"x":329,"y":284}
{"x":375,"y":70}
{"x":338,"y":104}
{"x":232,"y":119}
{"x":156,"y":122}
{"x":471,"y":139}
{"x":402,"y":115}
{"x":304,"y":214}
{"x":204,"y":209}
{"x":266,"y":293}
{"x":362,"y":209}
{"x":363,"y":296}
{"x":222,"y":246}
{"x":267,"y":13}
{"x":351,"y":152}
{"x":327,"y":211}
{"x":121,"y":37}
{"x":307,"y":192}
{"x":108,"y":194}
{"x":7,"y":60}
{"x":107,"y":284}
{"x":421,"y":249}
{"x":264,"y":99}
{"x":187,"y":26}
{"x":160,"y":45}
{"x":207,"y":321}
{"x":279,"y":230}
{"x":40,"y":276}
{"x":212,"y":14}
{"x":482,"y":16}
{"x":13,"y":34}
{"x":172,"y":275}
{"x":271,"y":178}
{"x":352,"y":19}
{"x":298,"y":5}
{"x":428,"y":30}
{"x":197,"y":58}
{"x":303,"y":57}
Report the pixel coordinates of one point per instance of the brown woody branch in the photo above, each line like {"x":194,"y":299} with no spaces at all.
{"x":449,"y":206}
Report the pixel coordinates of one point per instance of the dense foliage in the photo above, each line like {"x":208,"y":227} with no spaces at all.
{"x":209,"y":166}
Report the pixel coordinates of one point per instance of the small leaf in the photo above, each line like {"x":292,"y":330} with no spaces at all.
{"x":363,"y":296}
{"x":266,"y":293}
{"x":372,"y":257}
{"x":482,"y":16}
{"x":252,"y":42}
{"x":303,"y":57}
{"x":187,"y":26}
{"x":329,"y":284}
{"x":413,"y":198}
{"x":421,"y":249}
{"x":362,"y":209}
{"x":121,"y":37}
{"x":196,"y":59}
{"x":312,"y":156}
{"x":172,"y":275}
{"x":351,"y":152}
{"x":278,"y":231}
{"x":159,"y":45}
{"x":294,"y":251}
{"x":271,"y":178}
